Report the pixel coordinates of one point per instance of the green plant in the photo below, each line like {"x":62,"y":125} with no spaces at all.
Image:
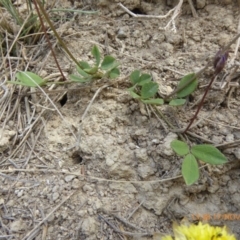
{"x":107,"y":67}
{"x":145,"y":90}
{"x":28,"y":79}
{"x":204,"y":152}
{"x":29,"y":25}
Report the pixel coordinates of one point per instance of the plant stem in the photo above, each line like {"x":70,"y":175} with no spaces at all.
{"x":200,"y":104}
{"x":55,"y":33}
{"x":36,"y":3}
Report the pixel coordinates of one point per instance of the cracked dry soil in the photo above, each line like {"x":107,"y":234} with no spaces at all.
{"x":124,"y":166}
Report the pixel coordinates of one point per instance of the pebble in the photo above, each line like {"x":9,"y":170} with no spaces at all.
{"x":75,"y":183}
{"x":55,"y":196}
{"x":132,"y":146}
{"x":87,"y":188}
{"x":167,"y":150}
{"x":141,"y":154}
{"x":88,"y":226}
{"x":145,"y":171}
{"x":230,"y":138}
{"x":17,"y":226}
{"x":121,"y":34}
{"x":201,"y":4}
{"x":236,"y":153}
{"x":69,"y":178}
{"x":55,"y":188}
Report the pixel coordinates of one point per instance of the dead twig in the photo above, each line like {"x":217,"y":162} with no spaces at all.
{"x":124,"y":232}
{"x":43,"y":220}
{"x":175,"y":12}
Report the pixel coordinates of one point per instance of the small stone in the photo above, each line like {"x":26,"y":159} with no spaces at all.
{"x":121,"y":34}
{"x":141,"y":154}
{"x":69,"y":178}
{"x":75,"y":183}
{"x":17,"y":226}
{"x":88,"y":226}
{"x":145,"y":171}
{"x":236,"y":152}
{"x":20,"y":193}
{"x":55,"y":188}
{"x":155,"y":141}
{"x":217,"y":139}
{"x":87,"y":188}
{"x":230,"y":138}
{"x":55,"y":196}
{"x":132,"y":146}
{"x":90,"y":211}
{"x":167,"y":150}
{"x":201,"y":4}
{"x":81,"y":213}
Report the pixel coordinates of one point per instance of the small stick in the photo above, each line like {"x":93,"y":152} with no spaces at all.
{"x":124,"y":232}
{"x":175,"y":11}
{"x":219,"y":63}
{"x":194,"y":12}
{"x":54,"y":210}
{"x":135,"y":209}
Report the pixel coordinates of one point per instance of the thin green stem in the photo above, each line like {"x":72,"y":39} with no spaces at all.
{"x":36,"y":2}
{"x":55,"y":33}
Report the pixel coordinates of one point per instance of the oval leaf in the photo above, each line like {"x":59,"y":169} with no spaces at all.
{"x":81,"y":72}
{"x":179,"y":147}
{"x":84,"y":65}
{"x":209,"y":154}
{"x":177,"y":102}
{"x":114,"y":73}
{"x":109,"y":63}
{"x":135,"y":76}
{"x":30,"y":79}
{"x":144,"y":78}
{"x":149,"y":90}
{"x":96,"y":54}
{"x":156,"y":101}
{"x":189,"y":88}
{"x":190,"y":170}
{"x":92,"y":70}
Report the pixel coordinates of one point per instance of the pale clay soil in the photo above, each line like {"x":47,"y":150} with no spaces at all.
{"x":123,"y":155}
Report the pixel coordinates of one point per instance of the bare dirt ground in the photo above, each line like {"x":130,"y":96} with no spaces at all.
{"x":122,"y":179}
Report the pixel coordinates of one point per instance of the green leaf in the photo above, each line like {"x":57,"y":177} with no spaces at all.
{"x":75,"y":78}
{"x":81,"y":72}
{"x":96,"y":54}
{"x":133,"y":94}
{"x":84,"y":65}
{"x":135,"y":76}
{"x":149,"y":90}
{"x":209,"y":154}
{"x":144,"y":78}
{"x":179,"y":147}
{"x":29,"y":79}
{"x":92,"y":70}
{"x":177,"y":102}
{"x":157,"y":101}
{"x":190,"y":170}
{"x":190,"y":87}
{"x":114,"y":73}
{"x":109,"y":63}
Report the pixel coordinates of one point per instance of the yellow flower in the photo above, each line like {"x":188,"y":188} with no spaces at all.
{"x":199,"y":232}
